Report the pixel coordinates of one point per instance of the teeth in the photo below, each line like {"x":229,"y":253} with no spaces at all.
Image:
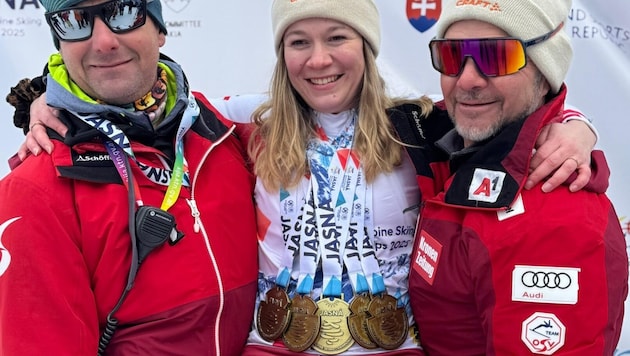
{"x":322,"y":81}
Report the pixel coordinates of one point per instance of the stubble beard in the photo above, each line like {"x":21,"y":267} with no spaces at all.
{"x":475,"y":134}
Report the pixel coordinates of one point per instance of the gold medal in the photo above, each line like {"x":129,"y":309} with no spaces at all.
{"x":273,"y":314}
{"x":304,"y":325}
{"x":357,"y":321}
{"x":334,"y":336}
{"x":388,"y":325}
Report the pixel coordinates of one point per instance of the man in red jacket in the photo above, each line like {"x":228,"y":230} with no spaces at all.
{"x":123,"y":240}
{"x":496,"y":269}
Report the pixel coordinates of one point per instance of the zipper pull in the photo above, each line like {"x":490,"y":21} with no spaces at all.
{"x":195,"y":214}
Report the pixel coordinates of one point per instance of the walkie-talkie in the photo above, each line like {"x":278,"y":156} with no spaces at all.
{"x":153,"y":227}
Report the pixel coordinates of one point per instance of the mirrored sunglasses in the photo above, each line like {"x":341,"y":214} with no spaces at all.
{"x":77,"y":24}
{"x":493,"y":56}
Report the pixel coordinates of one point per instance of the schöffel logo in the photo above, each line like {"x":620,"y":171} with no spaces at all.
{"x":423,"y":14}
{"x":92,"y":159}
{"x":540,"y":284}
{"x":176,"y":5}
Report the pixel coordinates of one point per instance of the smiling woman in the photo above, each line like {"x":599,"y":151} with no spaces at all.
{"x":325,"y":63}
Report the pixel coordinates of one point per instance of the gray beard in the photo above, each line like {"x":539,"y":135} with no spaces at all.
{"x":480,"y":134}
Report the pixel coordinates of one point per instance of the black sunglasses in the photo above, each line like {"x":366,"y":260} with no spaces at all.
{"x":76,"y":24}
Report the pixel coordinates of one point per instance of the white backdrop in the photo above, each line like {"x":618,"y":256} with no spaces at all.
{"x":226,"y":48}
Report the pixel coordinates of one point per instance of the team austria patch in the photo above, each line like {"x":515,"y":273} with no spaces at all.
{"x":543,"y":333}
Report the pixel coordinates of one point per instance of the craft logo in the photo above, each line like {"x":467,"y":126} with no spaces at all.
{"x":176,"y":5}
{"x":423,"y":14}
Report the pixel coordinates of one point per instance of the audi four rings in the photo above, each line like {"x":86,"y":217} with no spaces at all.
{"x":546,"y":279}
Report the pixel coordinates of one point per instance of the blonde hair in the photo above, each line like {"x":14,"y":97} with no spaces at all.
{"x":285,"y":125}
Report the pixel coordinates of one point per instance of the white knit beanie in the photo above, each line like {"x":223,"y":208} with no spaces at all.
{"x":524,"y":19}
{"x":361,"y":15}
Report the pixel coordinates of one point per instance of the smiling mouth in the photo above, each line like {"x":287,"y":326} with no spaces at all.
{"x":473,"y":103}
{"x":324,"y":81}
{"x":110,"y":65}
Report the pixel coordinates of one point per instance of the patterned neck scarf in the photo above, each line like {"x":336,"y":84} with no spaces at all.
{"x":154,"y":102}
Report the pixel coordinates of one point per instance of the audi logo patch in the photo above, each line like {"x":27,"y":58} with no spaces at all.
{"x":543,"y":284}
{"x":551,"y":280}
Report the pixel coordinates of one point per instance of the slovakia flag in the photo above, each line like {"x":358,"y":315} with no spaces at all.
{"x":423,"y":14}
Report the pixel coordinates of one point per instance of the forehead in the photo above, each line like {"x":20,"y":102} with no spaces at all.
{"x":473,"y":29}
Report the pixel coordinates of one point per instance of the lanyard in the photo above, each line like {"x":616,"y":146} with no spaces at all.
{"x":117,"y":138}
{"x":180,"y":167}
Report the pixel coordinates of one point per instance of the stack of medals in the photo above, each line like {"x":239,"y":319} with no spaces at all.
{"x":330,"y":222}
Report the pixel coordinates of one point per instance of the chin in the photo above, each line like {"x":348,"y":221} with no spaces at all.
{"x":474,"y":134}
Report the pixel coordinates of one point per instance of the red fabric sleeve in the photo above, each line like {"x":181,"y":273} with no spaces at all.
{"x":46,"y":303}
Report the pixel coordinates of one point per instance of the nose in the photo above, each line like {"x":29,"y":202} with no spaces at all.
{"x":103,"y":39}
{"x":320,"y":56}
{"x":471,"y":77}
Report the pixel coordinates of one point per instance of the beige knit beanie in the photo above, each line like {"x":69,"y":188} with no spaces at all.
{"x":361,"y":15}
{"x":524,"y":19}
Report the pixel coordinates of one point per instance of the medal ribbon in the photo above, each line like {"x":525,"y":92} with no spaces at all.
{"x":338,"y":210}
{"x":328,"y":163}
{"x":309,"y":248}
{"x":369,"y":262}
{"x":291,"y":211}
{"x":347,"y":207}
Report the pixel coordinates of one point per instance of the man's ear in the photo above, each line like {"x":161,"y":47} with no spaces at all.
{"x":161,"y":39}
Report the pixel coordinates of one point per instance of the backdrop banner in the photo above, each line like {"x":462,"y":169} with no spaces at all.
{"x":226,"y":48}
